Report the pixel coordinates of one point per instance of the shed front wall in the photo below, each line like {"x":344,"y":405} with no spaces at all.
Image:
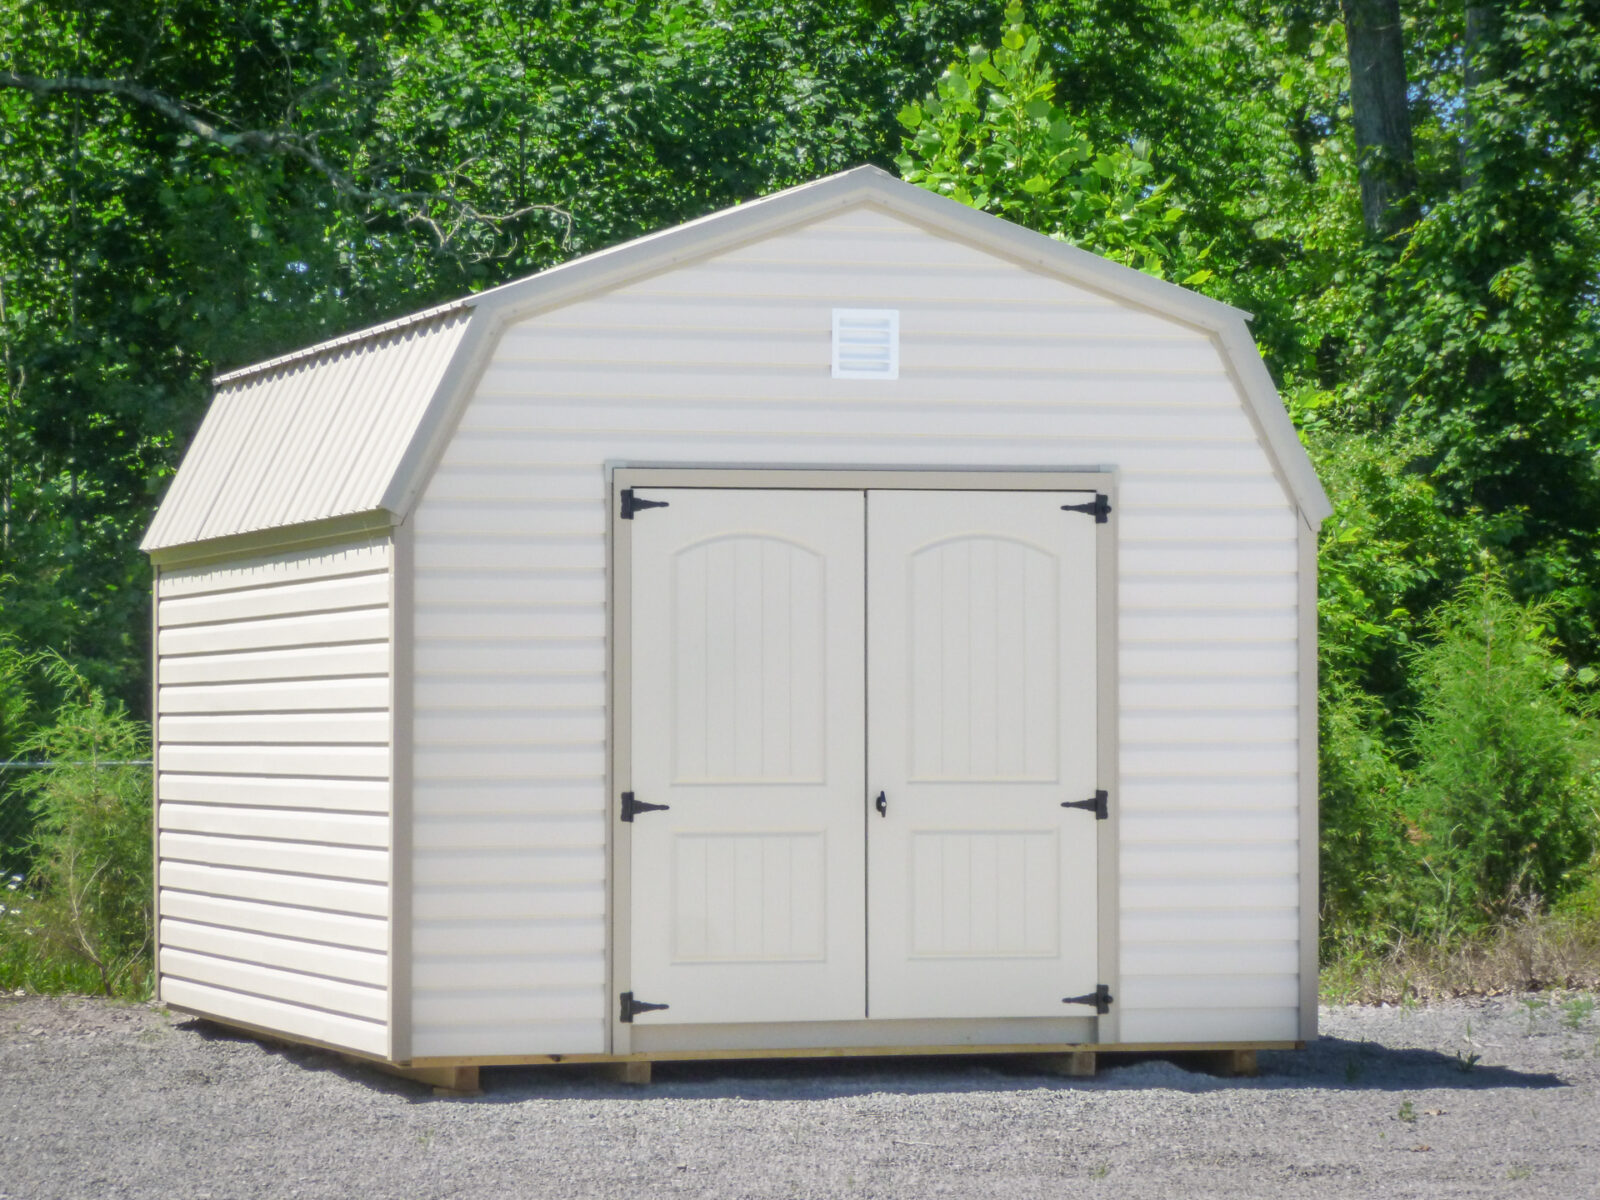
{"x":726,"y":362}
{"x":273,"y":797}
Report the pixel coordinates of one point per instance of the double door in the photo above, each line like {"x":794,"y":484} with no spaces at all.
{"x":868,"y":717}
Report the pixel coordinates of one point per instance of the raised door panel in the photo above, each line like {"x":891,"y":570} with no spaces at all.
{"x":747,"y":723}
{"x":981,"y":669}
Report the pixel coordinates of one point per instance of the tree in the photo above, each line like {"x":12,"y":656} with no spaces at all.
{"x":992,"y":136}
{"x":193,"y":186}
{"x":1380,"y":111}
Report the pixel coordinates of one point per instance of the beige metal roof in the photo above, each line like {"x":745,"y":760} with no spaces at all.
{"x":354,"y":426}
{"x":310,"y":436}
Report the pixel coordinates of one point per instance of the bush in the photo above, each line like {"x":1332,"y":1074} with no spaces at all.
{"x":1504,"y":795}
{"x":91,"y":879}
{"x":1366,"y":857}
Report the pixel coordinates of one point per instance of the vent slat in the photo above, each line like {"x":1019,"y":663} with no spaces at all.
{"x":866,"y":343}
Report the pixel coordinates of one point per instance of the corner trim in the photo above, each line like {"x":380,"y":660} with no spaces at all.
{"x":402,"y":580}
{"x":1309,"y":825}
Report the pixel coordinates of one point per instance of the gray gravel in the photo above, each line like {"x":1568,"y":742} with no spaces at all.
{"x":1493,"y":1098}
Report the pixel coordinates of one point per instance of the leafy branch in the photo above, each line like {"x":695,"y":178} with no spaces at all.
{"x":416,"y":208}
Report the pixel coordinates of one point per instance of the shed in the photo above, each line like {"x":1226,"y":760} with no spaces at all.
{"x":848,"y":622}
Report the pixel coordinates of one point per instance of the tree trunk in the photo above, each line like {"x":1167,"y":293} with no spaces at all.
{"x":1381,"y":113}
{"x":1482,"y":26}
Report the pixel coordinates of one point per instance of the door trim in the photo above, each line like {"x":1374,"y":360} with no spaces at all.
{"x":619,"y":576}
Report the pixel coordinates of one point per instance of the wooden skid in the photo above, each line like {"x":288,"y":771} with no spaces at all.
{"x":458,"y":1076}
{"x":445,"y":1081}
{"x":649,"y":1056}
{"x":1076,"y":1064}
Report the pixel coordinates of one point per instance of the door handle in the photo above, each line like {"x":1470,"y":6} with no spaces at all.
{"x":882,"y":805}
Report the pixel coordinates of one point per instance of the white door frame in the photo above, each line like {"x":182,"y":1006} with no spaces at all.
{"x":621,"y":476}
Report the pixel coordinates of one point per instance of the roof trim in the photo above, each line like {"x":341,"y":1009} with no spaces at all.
{"x":330,"y":530}
{"x":370,"y":334}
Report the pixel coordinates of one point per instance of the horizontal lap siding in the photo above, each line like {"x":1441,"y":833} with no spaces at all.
{"x":273,"y":716}
{"x":727,"y":362}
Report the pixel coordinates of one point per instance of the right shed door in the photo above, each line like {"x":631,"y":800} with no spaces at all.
{"x":981,"y":660}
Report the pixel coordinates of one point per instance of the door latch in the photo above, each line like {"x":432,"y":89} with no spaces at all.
{"x":882,"y":805}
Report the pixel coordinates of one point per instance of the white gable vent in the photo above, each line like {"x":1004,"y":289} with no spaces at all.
{"x":866,"y":343}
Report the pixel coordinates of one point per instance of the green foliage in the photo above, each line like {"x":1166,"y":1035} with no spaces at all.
{"x":1507,"y":783}
{"x":19,"y":701}
{"x":91,"y":879}
{"x":1387,"y":555}
{"x":1366,"y":858}
{"x":1484,"y":803}
{"x":992,"y":136}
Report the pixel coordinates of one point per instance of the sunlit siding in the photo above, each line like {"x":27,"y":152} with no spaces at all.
{"x":273,"y":721}
{"x":727,"y":362}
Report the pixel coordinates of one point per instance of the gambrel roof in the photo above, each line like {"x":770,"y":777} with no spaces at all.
{"x":352,"y":427}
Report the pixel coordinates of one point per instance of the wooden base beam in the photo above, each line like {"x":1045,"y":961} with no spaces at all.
{"x":634,"y":1072}
{"x":445,"y":1081}
{"x":969,"y":1048}
{"x":1075,"y":1064}
{"x":1230,"y":1064}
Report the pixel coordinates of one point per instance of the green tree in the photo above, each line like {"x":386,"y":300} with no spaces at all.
{"x":992,"y":136}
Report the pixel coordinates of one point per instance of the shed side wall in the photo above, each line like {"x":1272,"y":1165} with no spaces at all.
{"x":727,"y":362}
{"x":273,"y":796}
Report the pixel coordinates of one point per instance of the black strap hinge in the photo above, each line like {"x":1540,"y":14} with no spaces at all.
{"x":1100,"y":806}
{"x":631,"y":1008}
{"x":630,"y":806}
{"x":632,"y":504}
{"x":1100,"y":998}
{"x":1099,"y":508}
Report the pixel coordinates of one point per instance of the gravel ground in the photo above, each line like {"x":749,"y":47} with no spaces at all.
{"x":1492,"y":1098}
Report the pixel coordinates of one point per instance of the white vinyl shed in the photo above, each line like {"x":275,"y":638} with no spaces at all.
{"x":848,"y":622}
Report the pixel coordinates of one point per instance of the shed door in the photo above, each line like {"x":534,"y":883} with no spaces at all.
{"x":747,"y":627}
{"x":981,"y":722}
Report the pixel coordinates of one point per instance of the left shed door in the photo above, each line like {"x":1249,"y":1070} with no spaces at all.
{"x":747,"y":625}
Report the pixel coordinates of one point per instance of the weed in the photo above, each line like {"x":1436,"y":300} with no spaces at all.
{"x":1100,"y":1171}
{"x":1354,"y":1069}
{"x":1465,"y":1062}
{"x":1577,"y":1010}
{"x":1519,"y":1173}
{"x":1407,"y":1113}
{"x":1533,"y":1005}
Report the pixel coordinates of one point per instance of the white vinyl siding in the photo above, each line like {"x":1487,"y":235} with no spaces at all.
{"x":273,"y":717}
{"x":727,"y":361}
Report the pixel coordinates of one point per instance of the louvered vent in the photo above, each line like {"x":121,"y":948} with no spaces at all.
{"x":866,"y":343}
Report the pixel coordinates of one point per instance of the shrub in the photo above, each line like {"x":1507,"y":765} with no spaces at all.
{"x":91,"y":877}
{"x":1504,"y":796}
{"x":1366,"y":855}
